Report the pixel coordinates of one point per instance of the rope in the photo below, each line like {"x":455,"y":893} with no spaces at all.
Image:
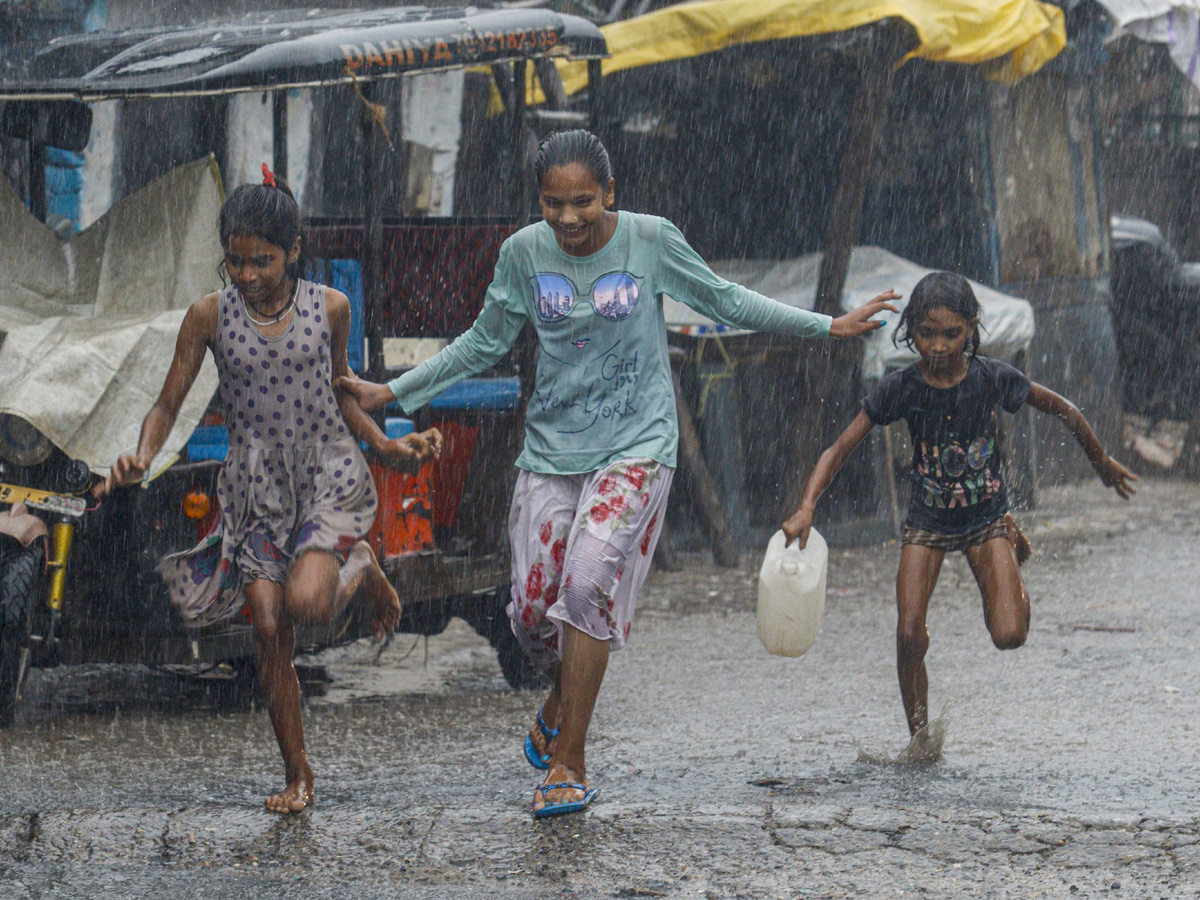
{"x":376,"y":112}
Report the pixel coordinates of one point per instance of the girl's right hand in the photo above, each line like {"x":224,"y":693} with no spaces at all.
{"x":798,"y":526}
{"x":368,"y":394}
{"x":130,"y":469}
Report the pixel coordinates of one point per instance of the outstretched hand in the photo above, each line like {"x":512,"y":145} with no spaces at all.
{"x":1116,"y":476}
{"x":130,"y":469}
{"x":859,"y":322}
{"x":797,"y":527}
{"x":368,"y":394}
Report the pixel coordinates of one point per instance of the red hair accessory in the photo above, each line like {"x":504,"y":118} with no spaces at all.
{"x":268,"y":177}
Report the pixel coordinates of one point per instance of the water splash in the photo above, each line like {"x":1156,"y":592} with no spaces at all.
{"x":924,"y":749}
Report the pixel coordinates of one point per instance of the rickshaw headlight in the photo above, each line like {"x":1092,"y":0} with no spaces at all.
{"x":21,"y":444}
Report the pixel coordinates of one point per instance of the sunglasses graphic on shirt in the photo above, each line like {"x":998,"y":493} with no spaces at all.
{"x":614,"y":296}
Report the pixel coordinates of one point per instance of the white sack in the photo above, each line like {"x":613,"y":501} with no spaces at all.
{"x":1007,"y":321}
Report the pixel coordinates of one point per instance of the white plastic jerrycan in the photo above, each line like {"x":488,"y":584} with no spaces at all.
{"x":791,"y":594}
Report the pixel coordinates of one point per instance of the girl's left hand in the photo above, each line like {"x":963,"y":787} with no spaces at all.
{"x":1116,"y":476}
{"x":859,"y":322}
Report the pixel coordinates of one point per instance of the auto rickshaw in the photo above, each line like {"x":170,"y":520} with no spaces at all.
{"x":101,"y":600}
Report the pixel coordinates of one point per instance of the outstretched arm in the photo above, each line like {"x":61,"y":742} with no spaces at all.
{"x":195,"y":334}
{"x":832,"y":460}
{"x":398,"y":451}
{"x":482,"y":345}
{"x":1111,"y":472}
{"x":686,"y":277}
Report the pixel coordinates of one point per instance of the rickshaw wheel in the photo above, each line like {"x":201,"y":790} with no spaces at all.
{"x":492,"y":622}
{"x":20,"y":568}
{"x":518,"y":671}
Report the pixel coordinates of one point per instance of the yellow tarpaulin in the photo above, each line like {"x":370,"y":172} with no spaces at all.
{"x":1026,"y":33}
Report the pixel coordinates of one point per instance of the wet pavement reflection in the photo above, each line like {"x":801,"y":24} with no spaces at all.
{"x":1069,"y":766}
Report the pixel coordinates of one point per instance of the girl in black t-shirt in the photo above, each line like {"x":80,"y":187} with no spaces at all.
{"x":949,"y":398}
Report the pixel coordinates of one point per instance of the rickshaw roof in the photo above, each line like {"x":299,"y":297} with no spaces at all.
{"x":293,"y":48}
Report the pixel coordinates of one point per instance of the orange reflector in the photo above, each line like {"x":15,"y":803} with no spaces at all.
{"x":196,"y":505}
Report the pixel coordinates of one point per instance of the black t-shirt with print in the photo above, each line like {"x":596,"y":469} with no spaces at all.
{"x":957,"y":488}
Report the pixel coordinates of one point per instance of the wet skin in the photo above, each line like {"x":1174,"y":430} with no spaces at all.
{"x":18,"y":522}
{"x":569,"y":707}
{"x":317,"y":589}
{"x":259,"y":270}
{"x":1006,"y":612}
{"x":316,"y":593}
{"x":941,"y":338}
{"x":577,"y":208}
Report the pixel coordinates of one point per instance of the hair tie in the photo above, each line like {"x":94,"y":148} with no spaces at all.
{"x":268,"y":176}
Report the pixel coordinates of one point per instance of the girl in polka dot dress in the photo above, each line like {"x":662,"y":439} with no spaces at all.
{"x":295,"y":495}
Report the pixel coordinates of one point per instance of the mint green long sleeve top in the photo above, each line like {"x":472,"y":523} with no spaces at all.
{"x":603,"y":388}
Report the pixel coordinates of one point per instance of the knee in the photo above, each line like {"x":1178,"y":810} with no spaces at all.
{"x":269,"y":630}
{"x":306,"y":606}
{"x":912,"y":640}
{"x":1009,"y":626}
{"x":1009,"y":638}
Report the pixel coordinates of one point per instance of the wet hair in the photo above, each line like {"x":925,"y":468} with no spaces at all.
{"x":562,"y":148}
{"x":268,"y":212}
{"x":945,"y":289}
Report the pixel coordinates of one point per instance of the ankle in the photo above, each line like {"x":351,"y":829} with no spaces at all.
{"x":566,"y":768}
{"x":297,"y":771}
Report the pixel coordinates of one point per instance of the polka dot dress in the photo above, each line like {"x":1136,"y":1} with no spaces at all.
{"x":294,"y":478}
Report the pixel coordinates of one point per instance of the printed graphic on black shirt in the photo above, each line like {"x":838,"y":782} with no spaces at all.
{"x":957,"y":456}
{"x":954,"y":476}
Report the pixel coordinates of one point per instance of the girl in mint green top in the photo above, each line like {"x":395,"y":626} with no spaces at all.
{"x":603,"y":389}
{"x":600,"y":430}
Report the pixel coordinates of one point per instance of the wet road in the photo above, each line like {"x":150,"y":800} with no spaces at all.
{"x":1070,"y":766}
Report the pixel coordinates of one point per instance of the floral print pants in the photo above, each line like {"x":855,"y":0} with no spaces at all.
{"x":581,"y":549}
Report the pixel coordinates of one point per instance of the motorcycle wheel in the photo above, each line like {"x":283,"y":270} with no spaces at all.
{"x":20,"y":571}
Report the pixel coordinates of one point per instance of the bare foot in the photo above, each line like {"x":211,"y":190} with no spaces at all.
{"x":378,"y":591}
{"x":925,"y":746}
{"x":559,"y":774}
{"x":295,"y":797}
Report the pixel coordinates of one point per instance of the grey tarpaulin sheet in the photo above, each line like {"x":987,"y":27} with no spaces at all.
{"x":1007,"y":321}
{"x":88,"y":326}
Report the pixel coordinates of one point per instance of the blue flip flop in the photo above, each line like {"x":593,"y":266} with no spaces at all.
{"x":566,"y":806}
{"x":540,"y":761}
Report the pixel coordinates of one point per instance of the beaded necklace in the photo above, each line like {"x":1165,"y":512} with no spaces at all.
{"x":278,"y":316}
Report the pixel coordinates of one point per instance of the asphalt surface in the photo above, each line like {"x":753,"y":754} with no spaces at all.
{"x":1069,"y":767}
